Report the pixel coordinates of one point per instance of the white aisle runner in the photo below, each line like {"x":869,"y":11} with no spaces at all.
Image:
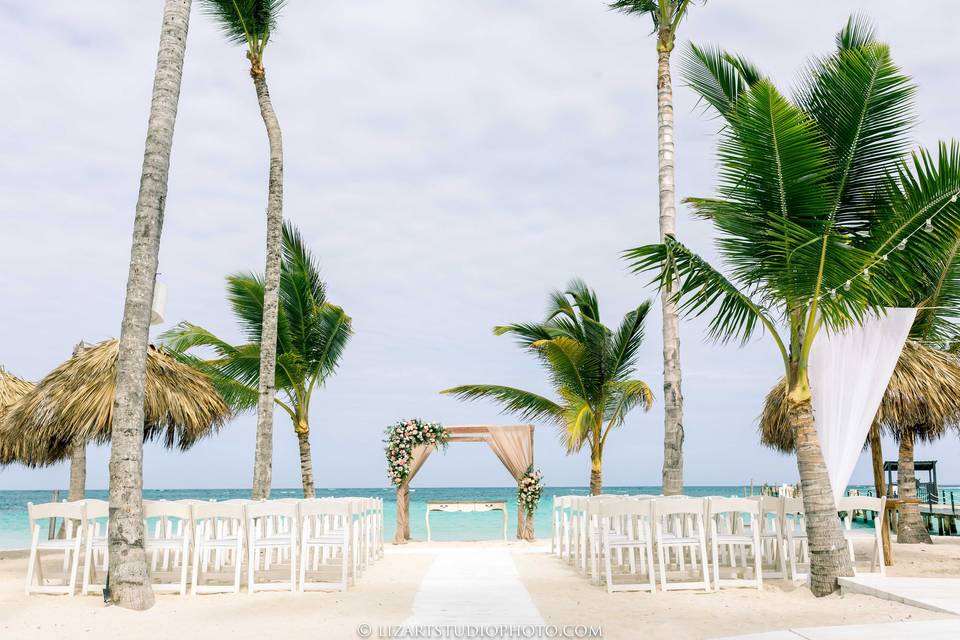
{"x":467,"y":586}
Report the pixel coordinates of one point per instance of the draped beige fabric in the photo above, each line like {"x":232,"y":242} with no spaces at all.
{"x":514,"y":447}
{"x":418,"y":456}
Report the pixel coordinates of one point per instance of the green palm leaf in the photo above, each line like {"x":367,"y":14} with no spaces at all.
{"x":526,"y":405}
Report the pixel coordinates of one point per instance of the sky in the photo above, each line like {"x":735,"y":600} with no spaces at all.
{"x":449,"y":162}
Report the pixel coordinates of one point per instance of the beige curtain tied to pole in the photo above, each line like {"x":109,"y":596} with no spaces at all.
{"x":514,"y":447}
{"x":418,"y":456}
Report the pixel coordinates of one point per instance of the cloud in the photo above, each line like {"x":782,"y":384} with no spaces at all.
{"x":449,"y":162}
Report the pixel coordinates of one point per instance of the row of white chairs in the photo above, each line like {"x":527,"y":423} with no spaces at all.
{"x":286,"y":544}
{"x":627,"y":532}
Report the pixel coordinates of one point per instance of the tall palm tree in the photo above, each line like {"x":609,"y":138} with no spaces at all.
{"x":312,"y":334}
{"x":590,"y":367}
{"x":822,"y":221}
{"x":251,"y":23}
{"x":129,"y":583}
{"x":666,"y":16}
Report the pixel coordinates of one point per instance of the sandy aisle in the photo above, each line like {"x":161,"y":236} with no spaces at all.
{"x":564,"y":597}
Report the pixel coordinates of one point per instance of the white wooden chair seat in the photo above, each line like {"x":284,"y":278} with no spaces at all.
{"x":727,"y":528}
{"x":69,"y":512}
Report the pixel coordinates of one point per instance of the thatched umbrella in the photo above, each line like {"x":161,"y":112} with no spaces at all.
{"x":923,"y":397}
{"x":12,"y":389}
{"x":74,"y":404}
{"x":922,"y":400}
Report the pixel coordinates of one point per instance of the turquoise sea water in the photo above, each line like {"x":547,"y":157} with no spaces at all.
{"x":14,"y":529}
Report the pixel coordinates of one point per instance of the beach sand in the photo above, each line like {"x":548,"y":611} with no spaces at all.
{"x":385,"y":596}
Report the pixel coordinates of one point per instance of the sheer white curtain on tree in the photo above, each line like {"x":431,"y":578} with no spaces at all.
{"x":849,"y":373}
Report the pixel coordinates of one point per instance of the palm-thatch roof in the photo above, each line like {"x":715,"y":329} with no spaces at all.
{"x":923,"y":397}
{"x":75,"y":402}
{"x":12,"y":389}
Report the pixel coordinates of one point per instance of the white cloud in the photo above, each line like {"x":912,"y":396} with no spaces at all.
{"x":449,"y":162}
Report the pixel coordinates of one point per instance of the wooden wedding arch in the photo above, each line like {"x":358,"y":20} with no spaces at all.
{"x":512,"y":444}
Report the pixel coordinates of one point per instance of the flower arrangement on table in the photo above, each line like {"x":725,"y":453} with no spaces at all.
{"x":529,"y":490}
{"x":401,"y":439}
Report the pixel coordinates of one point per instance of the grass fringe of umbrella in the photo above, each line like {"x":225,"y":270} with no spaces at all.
{"x":75,"y":402}
{"x":923,"y":396}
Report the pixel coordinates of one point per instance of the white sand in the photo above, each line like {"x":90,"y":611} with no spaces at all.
{"x":406,"y":586}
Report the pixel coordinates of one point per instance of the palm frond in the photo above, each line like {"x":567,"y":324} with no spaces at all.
{"x":858,"y":32}
{"x":719,"y":78}
{"x":702,"y":289}
{"x":524,"y":404}
{"x":863,"y":105}
{"x":244,"y":20}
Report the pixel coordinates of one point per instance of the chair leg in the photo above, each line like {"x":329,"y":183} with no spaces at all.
{"x":34,"y":558}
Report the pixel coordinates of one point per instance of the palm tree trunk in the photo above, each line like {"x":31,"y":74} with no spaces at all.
{"x":672,"y":395}
{"x":78,"y":458}
{"x":829,"y":557}
{"x":78,"y":471}
{"x":128,"y":580}
{"x":910,"y":529}
{"x":596,"y":483}
{"x":263,"y":456}
{"x":306,"y":463}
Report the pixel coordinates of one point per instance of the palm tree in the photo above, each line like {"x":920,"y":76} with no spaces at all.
{"x":666,"y":16}
{"x":590,"y":367}
{"x":936,"y":324}
{"x":129,"y":583}
{"x":311,"y":338}
{"x":251,"y":23}
{"x":821,"y":220}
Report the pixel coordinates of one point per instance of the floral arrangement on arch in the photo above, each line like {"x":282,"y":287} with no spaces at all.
{"x":401,"y":439}
{"x":529,"y":490}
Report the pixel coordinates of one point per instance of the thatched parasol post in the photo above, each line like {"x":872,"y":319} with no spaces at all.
{"x":876,"y":459}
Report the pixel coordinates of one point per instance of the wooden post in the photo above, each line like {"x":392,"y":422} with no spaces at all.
{"x":876,"y":456}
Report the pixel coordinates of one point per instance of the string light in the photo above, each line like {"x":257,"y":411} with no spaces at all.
{"x":900,"y":246}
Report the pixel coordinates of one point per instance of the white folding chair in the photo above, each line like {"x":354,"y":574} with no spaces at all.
{"x":73,"y":515}
{"x":326,"y":529}
{"x":849,"y":504}
{"x":796,"y":544}
{"x":96,"y":557}
{"x":271,"y":527}
{"x":728,"y":528}
{"x":218,"y":531}
{"x":678,"y":525}
{"x":169,"y":544}
{"x":772,"y":537}
{"x":625,"y":527}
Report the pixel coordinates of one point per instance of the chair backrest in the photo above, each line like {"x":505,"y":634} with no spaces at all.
{"x":860,"y":503}
{"x":793,"y":506}
{"x":628,"y":507}
{"x":96,"y":509}
{"x":272,"y":508}
{"x":670,"y":506}
{"x":770,"y":504}
{"x":67,"y":510}
{"x":326,"y":507}
{"x":205,"y":510}
{"x":734,"y":505}
{"x":167,"y":509}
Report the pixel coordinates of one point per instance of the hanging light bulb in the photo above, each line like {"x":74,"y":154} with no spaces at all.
{"x":953,"y":198}
{"x":929,"y":226}
{"x":884,"y":257}
{"x":902,"y":245}
{"x":866,"y":274}
{"x":846,"y":286}
{"x":833,"y":294}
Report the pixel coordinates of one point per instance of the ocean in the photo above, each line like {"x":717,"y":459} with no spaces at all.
{"x":14,"y":527}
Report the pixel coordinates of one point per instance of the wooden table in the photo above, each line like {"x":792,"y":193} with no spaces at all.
{"x":468,"y":506}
